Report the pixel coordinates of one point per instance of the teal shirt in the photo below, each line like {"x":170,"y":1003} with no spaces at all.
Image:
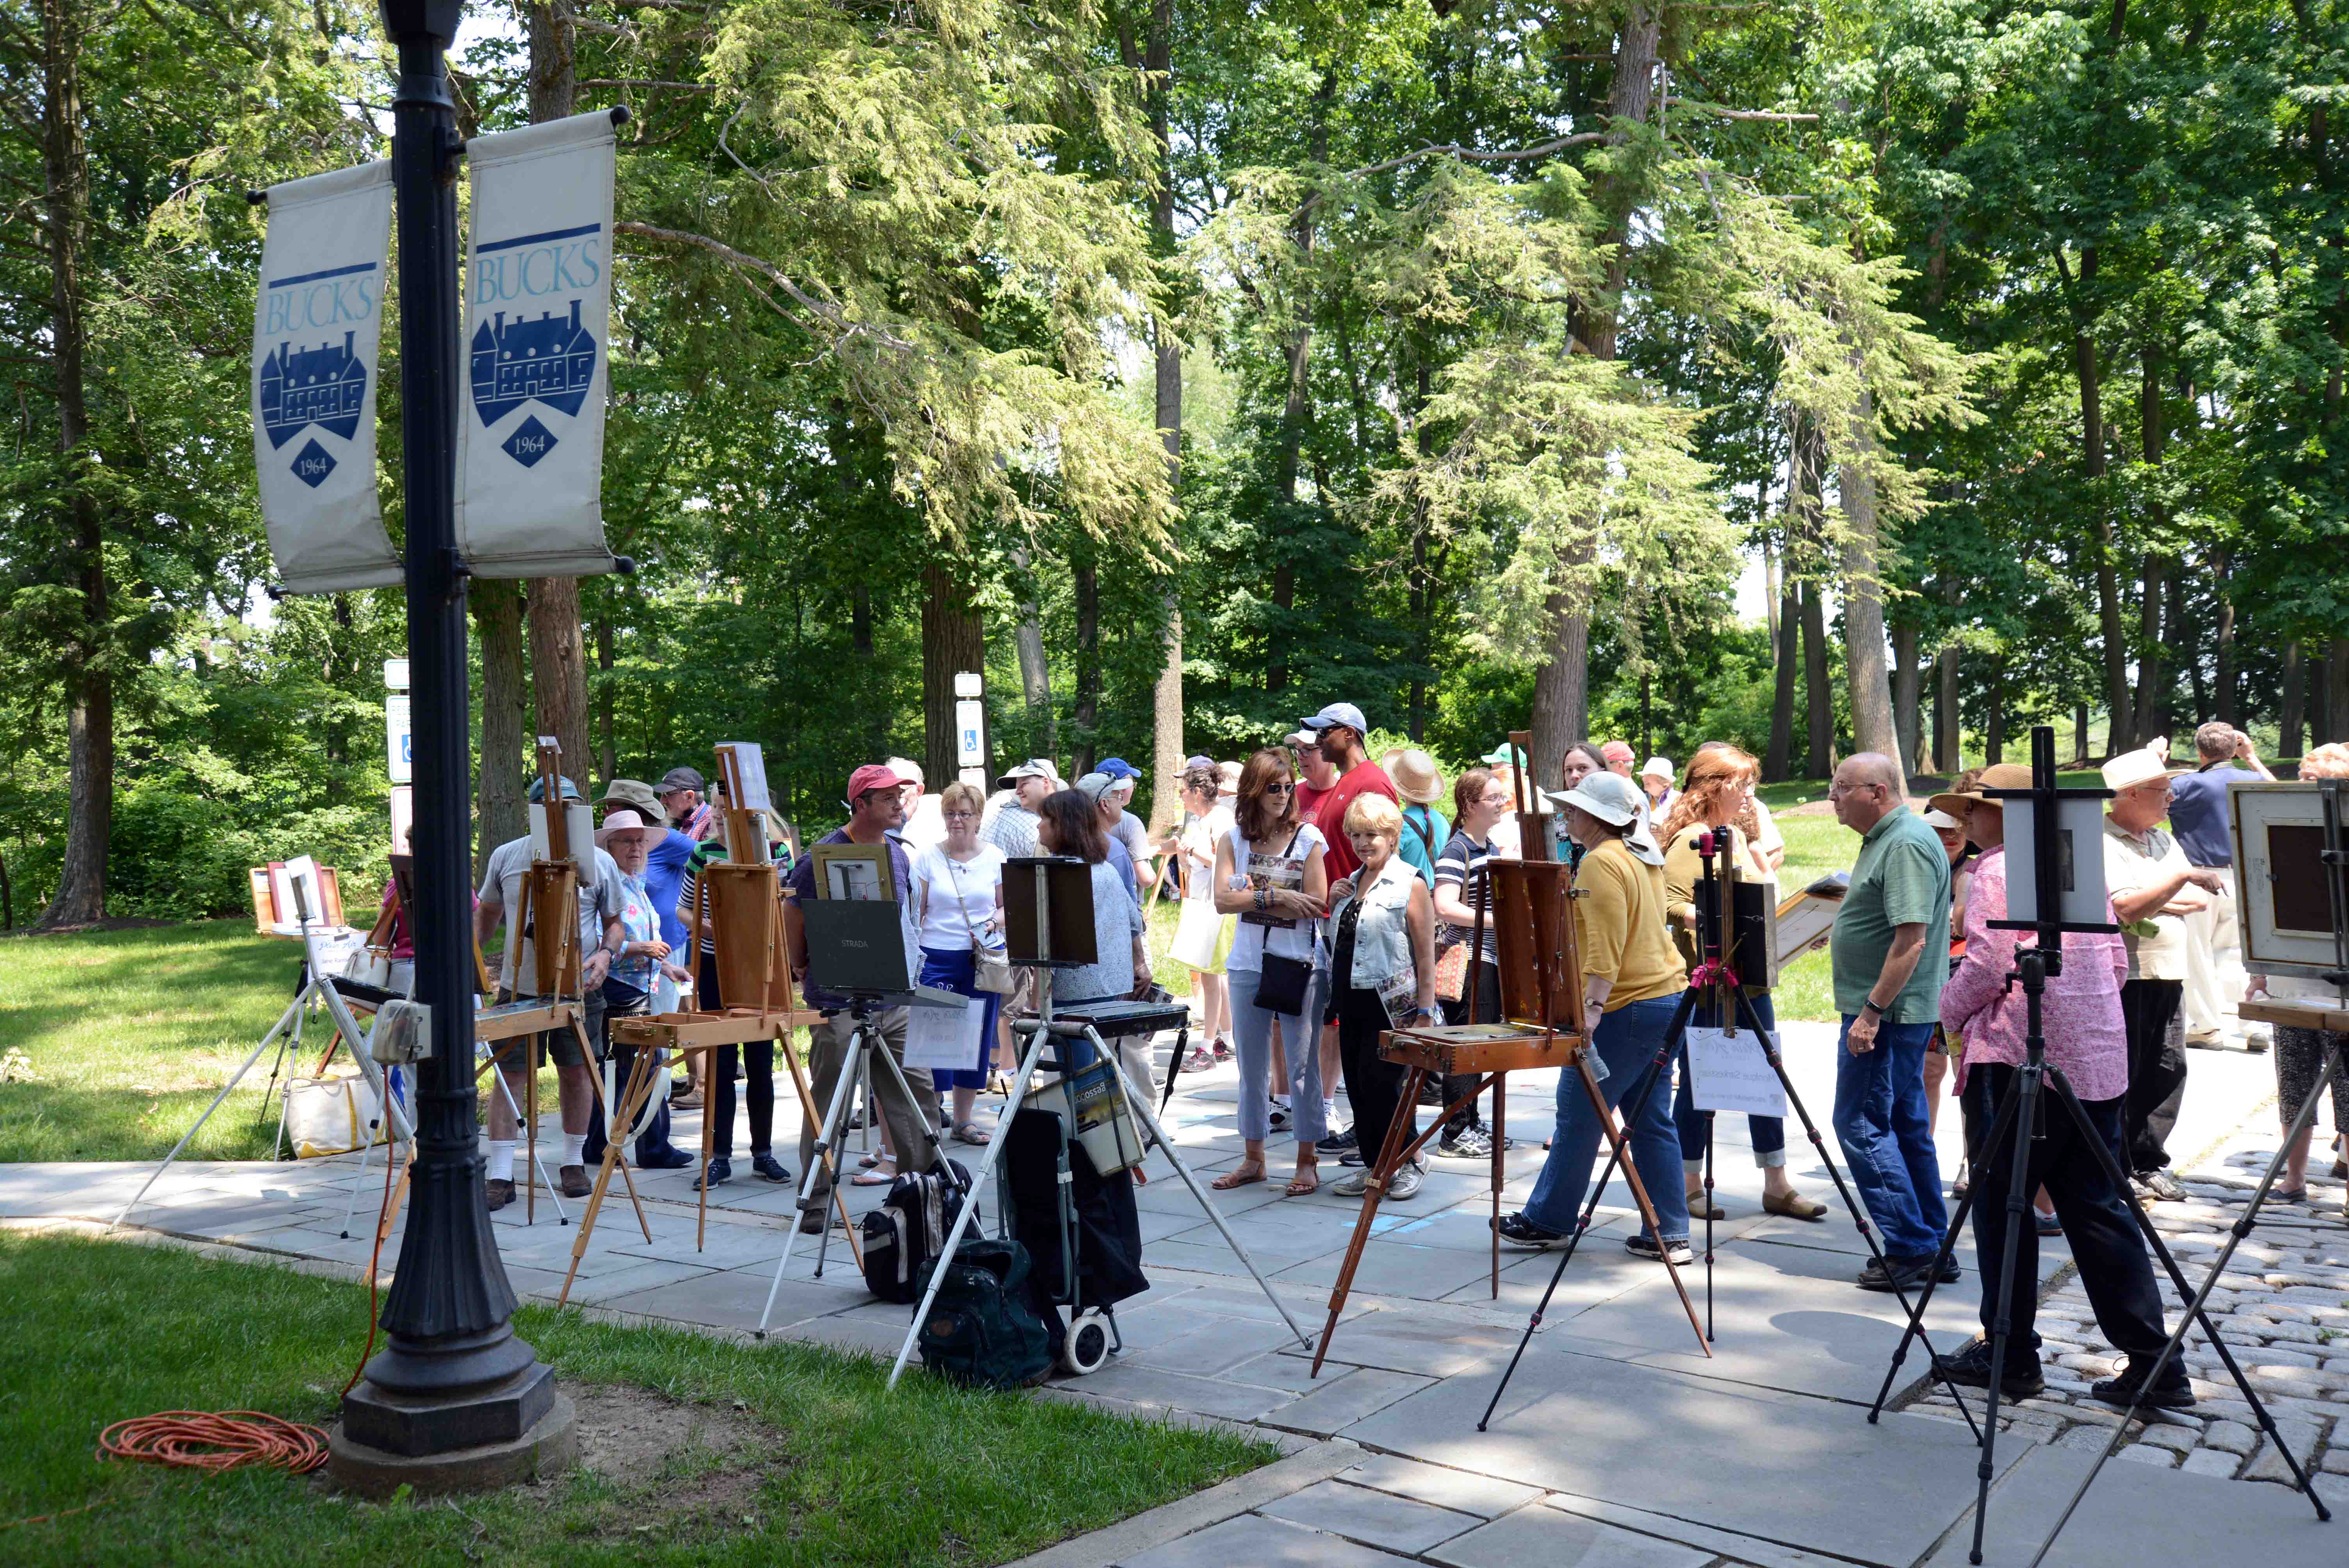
{"x":1414,"y":849}
{"x":1901,"y":878}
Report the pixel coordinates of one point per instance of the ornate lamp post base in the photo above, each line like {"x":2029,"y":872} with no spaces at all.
{"x":544,"y":1445}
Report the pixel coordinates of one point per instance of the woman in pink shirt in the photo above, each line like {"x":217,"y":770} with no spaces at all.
{"x":2080,"y":1019}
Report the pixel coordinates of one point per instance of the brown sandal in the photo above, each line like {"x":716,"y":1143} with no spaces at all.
{"x":1307,"y":1180}
{"x":1240,"y":1175}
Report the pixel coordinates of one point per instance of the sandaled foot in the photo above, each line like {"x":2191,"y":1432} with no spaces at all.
{"x":1247,"y":1173}
{"x":1306,"y":1182}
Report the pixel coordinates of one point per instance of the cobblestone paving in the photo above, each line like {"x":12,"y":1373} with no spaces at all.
{"x":2282,"y":1306}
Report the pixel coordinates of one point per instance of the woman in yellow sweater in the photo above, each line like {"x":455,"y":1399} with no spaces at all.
{"x":1633,"y":980}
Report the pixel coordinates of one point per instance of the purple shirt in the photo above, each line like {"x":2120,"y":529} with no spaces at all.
{"x":2080,"y":1012}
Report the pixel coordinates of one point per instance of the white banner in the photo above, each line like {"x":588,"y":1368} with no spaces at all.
{"x":1732,"y":1073}
{"x":316,"y":325}
{"x":530,"y":454}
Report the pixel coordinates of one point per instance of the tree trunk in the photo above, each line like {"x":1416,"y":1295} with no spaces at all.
{"x":89,"y":682}
{"x":1035,"y":675}
{"x":1907,"y":681}
{"x":1770,"y":589}
{"x":1561,"y":691}
{"x":1948,"y":725}
{"x":2092,"y":453}
{"x":2336,"y":690}
{"x":2148,"y":702}
{"x":2080,"y":735}
{"x":1863,"y":604}
{"x":1819,"y":693}
{"x":2223,"y":639}
{"x":558,"y":669}
{"x":1786,"y":657}
{"x":1088,"y":666}
{"x":497,"y":617}
{"x":605,"y":719}
{"x":2288,"y":742}
{"x":558,"y":652}
{"x":1166,"y":692}
{"x":953,"y":641}
{"x":2182,"y":635}
{"x":1994,"y":731}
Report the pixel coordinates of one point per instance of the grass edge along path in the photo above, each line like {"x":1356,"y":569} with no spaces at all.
{"x":837,"y":1471}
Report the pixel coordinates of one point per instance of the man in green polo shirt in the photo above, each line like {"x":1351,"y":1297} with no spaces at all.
{"x":1896,"y":912}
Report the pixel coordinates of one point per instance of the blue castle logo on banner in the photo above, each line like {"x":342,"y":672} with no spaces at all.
{"x":551,"y":359}
{"x":323,"y":386}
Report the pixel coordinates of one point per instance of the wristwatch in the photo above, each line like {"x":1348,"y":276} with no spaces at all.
{"x":1869,"y":1007}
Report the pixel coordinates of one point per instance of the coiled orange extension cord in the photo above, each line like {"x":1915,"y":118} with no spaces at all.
{"x":222,"y":1441}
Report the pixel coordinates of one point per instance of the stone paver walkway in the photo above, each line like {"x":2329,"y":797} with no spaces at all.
{"x":1618,"y":1442}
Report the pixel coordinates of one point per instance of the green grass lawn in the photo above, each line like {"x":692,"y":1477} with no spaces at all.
{"x":128,"y":1034}
{"x":832,"y":1470}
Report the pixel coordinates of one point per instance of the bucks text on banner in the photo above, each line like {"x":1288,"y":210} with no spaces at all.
{"x":538,"y":284}
{"x":315,"y":349}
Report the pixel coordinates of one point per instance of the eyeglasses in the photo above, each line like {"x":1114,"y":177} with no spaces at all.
{"x":1281,"y":789}
{"x":959,"y":816}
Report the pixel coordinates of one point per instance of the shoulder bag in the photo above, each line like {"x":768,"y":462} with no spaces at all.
{"x":1281,"y":982}
{"x":990,"y":967}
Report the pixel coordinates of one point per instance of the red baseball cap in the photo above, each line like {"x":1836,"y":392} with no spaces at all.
{"x":872,"y":775}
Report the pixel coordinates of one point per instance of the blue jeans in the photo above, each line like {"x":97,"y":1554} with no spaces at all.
{"x":1768,"y":1132}
{"x":1627,"y":1040}
{"x":1880,"y":1121}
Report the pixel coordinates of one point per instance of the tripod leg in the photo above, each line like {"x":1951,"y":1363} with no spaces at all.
{"x":1500,"y":1142}
{"x":505,"y":1090}
{"x":987,"y":1162}
{"x":1622,"y":1140}
{"x":1637,"y":1099}
{"x":826,"y":1136}
{"x":2196,"y":1299}
{"x":612,"y":1128}
{"x":860,"y":1072}
{"x":2018,"y":1204}
{"x":877,"y":1046}
{"x":234,"y":1078}
{"x":530,"y":1105}
{"x":1175,"y":1065}
{"x":632,"y":1098}
{"x":1142,"y":1107}
{"x":831,"y":1165}
{"x":1708,"y":1226}
{"x":1391,"y":1159}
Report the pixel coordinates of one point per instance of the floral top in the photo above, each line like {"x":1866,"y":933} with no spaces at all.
{"x":2080,"y":1012}
{"x":638,"y":923}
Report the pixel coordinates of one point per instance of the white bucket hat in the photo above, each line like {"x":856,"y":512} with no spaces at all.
{"x":2131,"y":769}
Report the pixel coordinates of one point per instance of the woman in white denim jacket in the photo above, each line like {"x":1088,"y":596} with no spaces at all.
{"x":1381,"y":964}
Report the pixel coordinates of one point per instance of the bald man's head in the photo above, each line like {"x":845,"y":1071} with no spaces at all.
{"x":1867,"y":786}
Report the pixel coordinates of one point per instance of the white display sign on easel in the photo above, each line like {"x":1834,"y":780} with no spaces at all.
{"x":945,"y":1037}
{"x":751,"y":762}
{"x":1730,"y":1073}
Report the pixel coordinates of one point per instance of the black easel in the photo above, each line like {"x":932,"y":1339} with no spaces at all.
{"x":1714,"y":973}
{"x":2023,"y":1108}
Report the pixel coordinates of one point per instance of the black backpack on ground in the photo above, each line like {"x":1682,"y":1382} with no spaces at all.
{"x":905,"y":1235}
{"x":982,"y":1328}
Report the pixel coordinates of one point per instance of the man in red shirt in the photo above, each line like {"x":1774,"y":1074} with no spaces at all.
{"x":1314,"y":773}
{"x":1342,"y":729}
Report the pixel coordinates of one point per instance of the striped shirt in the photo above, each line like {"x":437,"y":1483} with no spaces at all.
{"x":1462,"y":865}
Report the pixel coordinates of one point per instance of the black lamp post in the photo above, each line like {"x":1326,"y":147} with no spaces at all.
{"x":454,"y":1402}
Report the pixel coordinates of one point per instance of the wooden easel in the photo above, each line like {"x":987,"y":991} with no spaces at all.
{"x":559,"y":968}
{"x":1542,"y":1026}
{"x":743,"y":895}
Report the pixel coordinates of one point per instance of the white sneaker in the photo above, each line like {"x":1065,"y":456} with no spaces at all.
{"x":1352,"y":1185}
{"x":1405,"y":1183}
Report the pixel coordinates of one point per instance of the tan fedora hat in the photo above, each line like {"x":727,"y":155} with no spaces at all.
{"x":1997,"y":775}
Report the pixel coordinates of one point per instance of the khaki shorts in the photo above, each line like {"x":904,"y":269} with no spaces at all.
{"x":562,"y":1044}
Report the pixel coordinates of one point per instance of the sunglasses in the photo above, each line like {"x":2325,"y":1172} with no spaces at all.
{"x":1280,"y":788}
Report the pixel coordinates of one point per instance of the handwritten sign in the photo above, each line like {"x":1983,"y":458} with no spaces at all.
{"x":1729,"y":1072}
{"x":944,"y":1037}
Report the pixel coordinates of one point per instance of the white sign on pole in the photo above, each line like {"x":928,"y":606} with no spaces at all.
{"x":399,"y":743}
{"x":944,"y":1037}
{"x":1730,"y":1073}
{"x":316,"y":325}
{"x":395,"y":675}
{"x":529,"y":459}
{"x":970,"y":732}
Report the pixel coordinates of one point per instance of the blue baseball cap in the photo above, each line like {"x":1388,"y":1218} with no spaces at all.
{"x":1118,"y":768}
{"x":538,"y":791}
